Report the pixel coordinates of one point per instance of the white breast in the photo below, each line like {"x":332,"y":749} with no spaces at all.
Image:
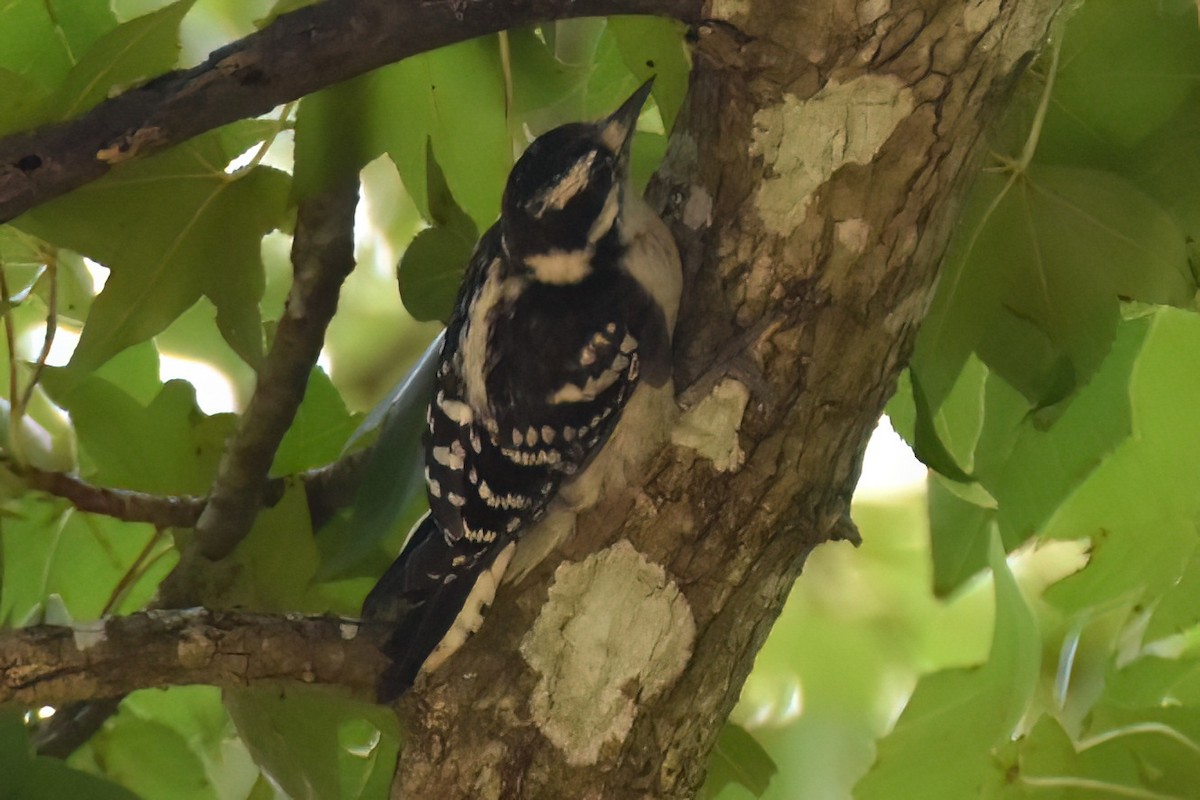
{"x":652,"y":258}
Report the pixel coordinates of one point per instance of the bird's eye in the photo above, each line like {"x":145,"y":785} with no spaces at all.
{"x":536,"y":206}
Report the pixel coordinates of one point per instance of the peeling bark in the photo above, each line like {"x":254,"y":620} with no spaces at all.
{"x":812,"y":211}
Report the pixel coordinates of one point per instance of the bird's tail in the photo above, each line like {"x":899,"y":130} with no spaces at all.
{"x":436,"y":594}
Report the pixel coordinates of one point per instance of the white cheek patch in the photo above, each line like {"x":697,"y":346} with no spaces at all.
{"x":557,"y":196}
{"x":560,"y":267}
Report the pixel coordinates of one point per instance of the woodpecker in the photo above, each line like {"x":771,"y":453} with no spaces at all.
{"x":567,"y":304}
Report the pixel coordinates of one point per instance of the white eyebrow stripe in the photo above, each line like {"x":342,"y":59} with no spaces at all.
{"x":557,"y":196}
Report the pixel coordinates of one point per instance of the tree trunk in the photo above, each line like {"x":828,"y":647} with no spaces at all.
{"x":812,"y":183}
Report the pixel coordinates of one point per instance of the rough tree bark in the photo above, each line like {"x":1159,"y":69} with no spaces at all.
{"x":813,"y":182}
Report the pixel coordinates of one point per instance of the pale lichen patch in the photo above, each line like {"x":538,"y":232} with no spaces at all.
{"x":853,"y":235}
{"x":730,"y":10}
{"x":611,"y":622}
{"x":803,"y":142}
{"x":711,"y":427}
{"x":697,"y":211}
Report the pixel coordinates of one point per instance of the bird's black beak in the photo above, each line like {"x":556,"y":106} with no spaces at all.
{"x":618,"y":128}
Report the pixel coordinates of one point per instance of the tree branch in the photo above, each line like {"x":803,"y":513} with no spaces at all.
{"x":162,"y":511}
{"x":831,"y":252}
{"x":55,"y":664}
{"x":297,"y":54}
{"x":328,"y":489}
{"x":322,"y":255}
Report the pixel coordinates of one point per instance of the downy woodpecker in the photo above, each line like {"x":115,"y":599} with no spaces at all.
{"x":569,"y":301}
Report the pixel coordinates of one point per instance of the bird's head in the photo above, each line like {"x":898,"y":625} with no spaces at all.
{"x":564,"y":194}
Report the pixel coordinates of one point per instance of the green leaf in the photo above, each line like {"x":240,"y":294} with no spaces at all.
{"x":171,"y":228}
{"x":1026,"y":468}
{"x":1147,"y":483}
{"x":1179,"y":608}
{"x":132,"y":53}
{"x":29,"y":777}
{"x":317,"y":744}
{"x":960,"y":531}
{"x":15,"y":752}
{"x":23,"y":101}
{"x":453,"y":97}
{"x":1152,"y":682}
{"x":609,"y":81}
{"x":927,"y":445}
{"x":1033,"y":282}
{"x":51,"y":779}
{"x":654,"y":46}
{"x":42,"y":39}
{"x":177,"y":742}
{"x":432,"y":266}
{"x":1124,"y":73}
{"x":1048,"y":753}
{"x":738,"y":758}
{"x":49,"y":549}
{"x":154,"y":760}
{"x":265,"y":580}
{"x":319,"y":431}
{"x":945,"y":740}
{"x":340,"y":129}
{"x":545,"y":89}
{"x":430,"y":272}
{"x":75,"y":289}
{"x":166,"y":447}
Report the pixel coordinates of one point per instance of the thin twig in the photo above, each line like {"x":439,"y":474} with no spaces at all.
{"x":51,"y":274}
{"x":163,"y":511}
{"x":10,"y":338}
{"x":136,"y":569}
{"x":328,"y":489}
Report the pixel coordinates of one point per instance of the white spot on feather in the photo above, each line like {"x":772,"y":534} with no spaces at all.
{"x":572,"y":183}
{"x":456,"y":410}
{"x":448,"y":457}
{"x":570,"y":393}
{"x":560,"y":267}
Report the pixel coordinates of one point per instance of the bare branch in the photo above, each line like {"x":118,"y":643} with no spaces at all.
{"x":164,"y":511}
{"x":299,"y":53}
{"x":56,"y":664}
{"x":323,"y":255}
{"x":328,"y":488}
